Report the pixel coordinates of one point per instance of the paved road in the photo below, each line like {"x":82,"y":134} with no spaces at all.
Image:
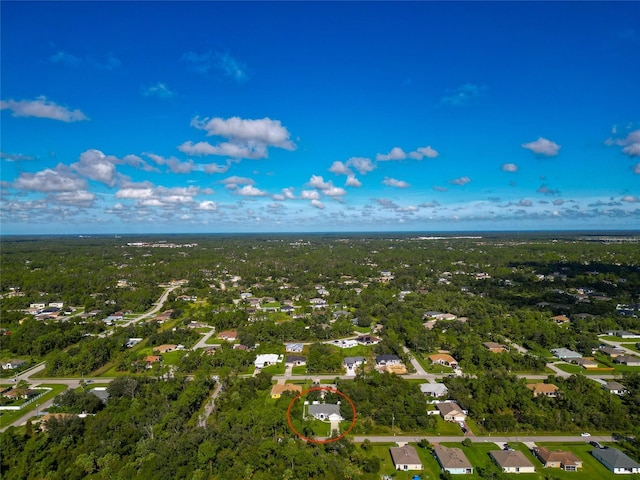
{"x":208,"y":408}
{"x":202,"y":343}
{"x":75,"y":382}
{"x":502,"y":438}
{"x":619,"y":344}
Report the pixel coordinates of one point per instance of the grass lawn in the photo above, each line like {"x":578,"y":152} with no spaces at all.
{"x":300,"y":370}
{"x":277,"y":369}
{"x":447,"y":428}
{"x":381,"y":450}
{"x":8,"y":417}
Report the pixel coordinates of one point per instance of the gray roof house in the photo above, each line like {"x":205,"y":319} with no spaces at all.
{"x":325,"y":411}
{"x":406,"y":458}
{"x":101,"y":392}
{"x":452,"y":460}
{"x":388,"y":360}
{"x":353,"y":362}
{"x":434,"y":389}
{"x":564,"y":353}
{"x":616,"y":461}
{"x":512,"y":461}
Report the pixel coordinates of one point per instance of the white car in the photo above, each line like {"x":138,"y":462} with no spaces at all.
{"x":585,"y":434}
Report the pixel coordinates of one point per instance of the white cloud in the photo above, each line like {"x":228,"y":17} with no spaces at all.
{"x":392,"y":182}
{"x":135,"y":193}
{"x":525,"y":203}
{"x":49,"y":180}
{"x":65,"y":58}
{"x":174,"y":164}
{"x":396,"y":153}
{"x":254,"y":151}
{"x":160,"y":90}
{"x":222,"y":62}
{"x":287,"y":194}
{"x":42,"y":108}
{"x":340,"y":168}
{"x":630,"y":144}
{"x":460,"y":181}
{"x":316,"y":181}
{"x":636,"y":169}
{"x":422,"y":152}
{"x":15,"y":157}
{"x":232,"y":182}
{"x":310,"y":195}
{"x":630,"y":199}
{"x":440,"y":189}
{"x":509,"y":167}
{"x":251,"y":191}
{"x":80,"y":198}
{"x":334,"y":192}
{"x":361,"y":164}
{"x":317,"y":204}
{"x":97,"y":166}
{"x":542,"y":146}
{"x":215,"y":168}
{"x":352,"y":181}
{"x":463,"y":95}
{"x":263,"y":131}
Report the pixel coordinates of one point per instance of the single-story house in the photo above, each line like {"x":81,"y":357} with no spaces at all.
{"x":151,"y":359}
{"x":61,"y":417}
{"x":228,"y":335}
{"x":546,"y":389}
{"x":295,"y":360}
{"x":351,"y":363}
{"x":266,"y":359}
{"x":567,"y":461}
{"x":18,"y":393}
{"x":383,"y":360}
{"x":278,"y":390}
{"x":452,"y":460}
{"x":13,"y":364}
{"x":444,"y":359}
{"x":623,"y":334}
{"x":325,"y":411}
{"x":451,"y":412}
{"x":368,"y":340}
{"x":287,"y":309}
{"x":615,"y":388}
{"x":612,"y":352}
{"x":512,"y":461}
{"x":565,"y":353}
{"x":344,"y":343}
{"x":406,"y":458}
{"x":165,"y":348}
{"x":434,"y":389}
{"x":293,"y":347}
{"x":495,"y":347}
{"x":616,"y":461}
{"x":101,"y":392}
{"x":628,"y":360}
{"x":586,"y":362}
{"x":561,"y":319}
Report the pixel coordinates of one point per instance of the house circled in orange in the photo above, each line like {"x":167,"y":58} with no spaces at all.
{"x":326,"y":389}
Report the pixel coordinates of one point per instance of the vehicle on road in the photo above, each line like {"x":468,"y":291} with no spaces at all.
{"x":585,"y":434}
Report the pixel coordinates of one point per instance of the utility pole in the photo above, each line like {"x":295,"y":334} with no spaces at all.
{"x":393,"y":424}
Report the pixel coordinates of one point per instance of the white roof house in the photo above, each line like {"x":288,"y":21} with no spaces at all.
{"x":266,"y":359}
{"x":434,"y":389}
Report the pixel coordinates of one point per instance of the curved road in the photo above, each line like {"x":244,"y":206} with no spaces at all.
{"x":75,"y":382}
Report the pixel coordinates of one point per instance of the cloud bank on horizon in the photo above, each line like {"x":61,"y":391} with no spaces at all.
{"x":493,"y":125}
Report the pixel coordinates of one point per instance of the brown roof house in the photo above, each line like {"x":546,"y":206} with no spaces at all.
{"x":567,"y":461}
{"x":444,"y":359}
{"x":512,"y":461}
{"x":406,"y":458}
{"x":278,"y":389}
{"x":495,"y":347}
{"x":546,"y":389}
{"x":165,"y":348}
{"x":452,"y":460}
{"x":451,"y":412}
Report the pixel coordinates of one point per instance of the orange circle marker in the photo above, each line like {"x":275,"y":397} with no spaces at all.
{"x":315,"y":389}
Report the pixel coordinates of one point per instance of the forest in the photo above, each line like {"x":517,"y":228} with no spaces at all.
{"x":494,"y":288}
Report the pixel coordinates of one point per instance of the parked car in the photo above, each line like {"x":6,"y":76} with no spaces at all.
{"x":596,"y":444}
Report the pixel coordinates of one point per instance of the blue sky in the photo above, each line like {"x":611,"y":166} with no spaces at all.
{"x":124,"y":117}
